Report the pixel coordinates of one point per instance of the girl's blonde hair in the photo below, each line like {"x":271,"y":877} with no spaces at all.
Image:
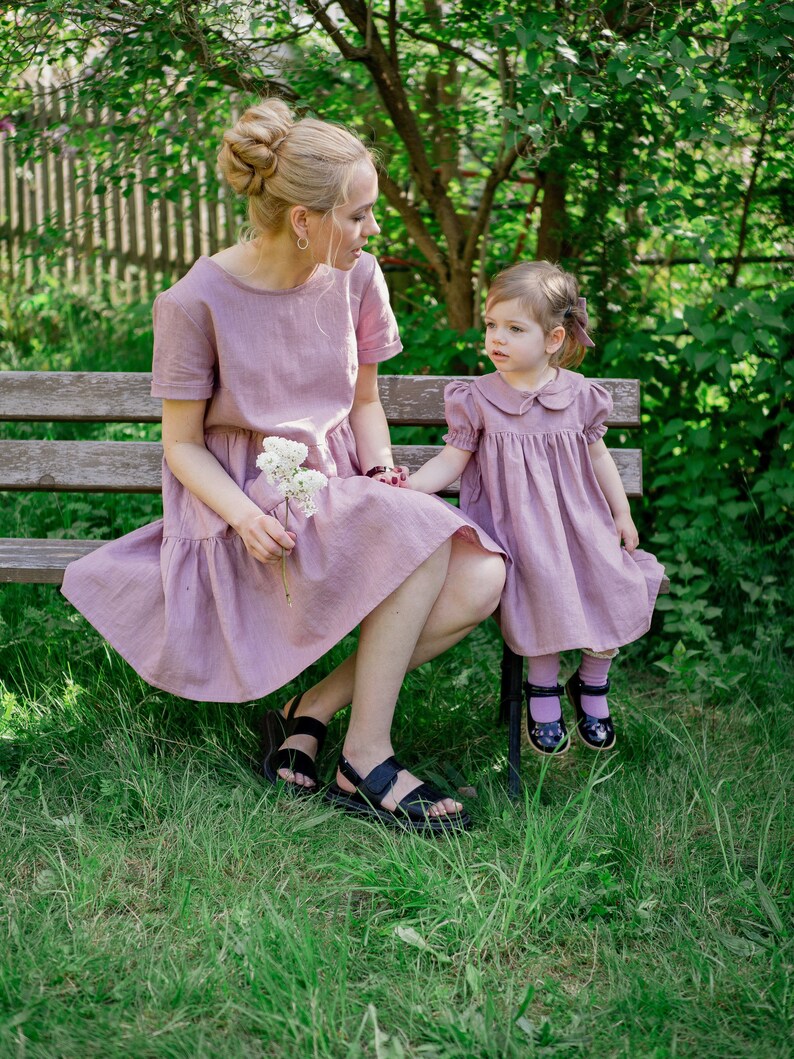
{"x":280,"y":163}
{"x":550,"y":296}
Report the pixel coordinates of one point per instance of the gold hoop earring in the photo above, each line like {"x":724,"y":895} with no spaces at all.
{"x":303,"y":243}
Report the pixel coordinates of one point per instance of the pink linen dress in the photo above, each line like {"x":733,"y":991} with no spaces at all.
{"x":531,"y":486}
{"x":181,"y":599}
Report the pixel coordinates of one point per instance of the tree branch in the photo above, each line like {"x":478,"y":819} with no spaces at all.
{"x":346,"y":49}
{"x":442,"y":45}
{"x":497,"y":176}
{"x":392,"y":91}
{"x":750,"y":189}
{"x":414,"y":224}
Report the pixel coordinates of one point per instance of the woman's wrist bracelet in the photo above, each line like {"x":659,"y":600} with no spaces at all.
{"x":377,"y":470}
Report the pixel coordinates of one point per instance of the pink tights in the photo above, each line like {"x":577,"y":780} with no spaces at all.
{"x":544,"y":670}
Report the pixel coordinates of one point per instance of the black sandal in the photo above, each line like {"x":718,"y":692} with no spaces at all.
{"x":275,"y":729}
{"x":546,"y":737}
{"x":598,"y":733}
{"x":411,"y":812}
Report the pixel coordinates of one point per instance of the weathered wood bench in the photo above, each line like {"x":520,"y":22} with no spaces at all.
{"x":135,"y":466}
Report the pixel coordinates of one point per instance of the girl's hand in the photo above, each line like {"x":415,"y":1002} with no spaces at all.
{"x":397,"y":476}
{"x":264,"y":537}
{"x":627,"y":531}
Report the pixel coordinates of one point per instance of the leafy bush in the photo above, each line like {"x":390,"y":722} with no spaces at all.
{"x":717,"y":435}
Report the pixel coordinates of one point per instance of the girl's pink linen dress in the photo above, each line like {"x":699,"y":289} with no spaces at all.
{"x":531,"y":486}
{"x":181,"y":599}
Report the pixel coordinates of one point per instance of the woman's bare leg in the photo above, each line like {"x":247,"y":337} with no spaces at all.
{"x":470,"y":592}
{"x":386,"y":643}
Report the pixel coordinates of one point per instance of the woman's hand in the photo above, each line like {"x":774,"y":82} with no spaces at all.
{"x":627,"y":531}
{"x":264,"y":537}
{"x":396,"y":476}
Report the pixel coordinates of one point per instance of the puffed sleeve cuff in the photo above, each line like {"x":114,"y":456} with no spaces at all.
{"x":598,"y":410}
{"x":462,"y":416}
{"x":183,"y":365}
{"x":459,"y":439}
{"x":593,"y":434}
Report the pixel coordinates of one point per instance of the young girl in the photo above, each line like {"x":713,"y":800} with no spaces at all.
{"x":282,"y":334}
{"x":527,"y":441}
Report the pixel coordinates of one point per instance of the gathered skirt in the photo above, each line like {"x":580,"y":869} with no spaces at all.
{"x":194,"y":614}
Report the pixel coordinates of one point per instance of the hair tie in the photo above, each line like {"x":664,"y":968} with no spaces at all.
{"x":578,"y":330}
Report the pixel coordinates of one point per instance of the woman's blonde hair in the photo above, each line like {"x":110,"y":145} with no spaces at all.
{"x":550,"y":296}
{"x":280,"y":163}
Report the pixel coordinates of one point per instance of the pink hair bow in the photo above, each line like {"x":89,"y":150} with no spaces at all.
{"x":579,"y":332}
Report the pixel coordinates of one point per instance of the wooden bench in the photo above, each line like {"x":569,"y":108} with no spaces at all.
{"x":135,"y":466}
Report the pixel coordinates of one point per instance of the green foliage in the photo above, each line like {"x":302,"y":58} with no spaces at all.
{"x":652,"y":119}
{"x":717,"y":437}
{"x":56,"y":326}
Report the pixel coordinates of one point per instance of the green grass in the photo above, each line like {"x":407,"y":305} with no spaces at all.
{"x":158,"y":899}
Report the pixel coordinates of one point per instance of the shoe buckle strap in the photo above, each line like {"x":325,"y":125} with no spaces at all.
{"x":591,"y":689}
{"x":538,"y":692}
{"x":378,"y":781}
{"x":382,"y":778}
{"x":293,"y":708}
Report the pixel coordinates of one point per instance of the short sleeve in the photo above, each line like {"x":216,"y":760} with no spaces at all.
{"x":183,"y":366}
{"x":598,"y":408}
{"x":377,"y":336}
{"x":463,"y":419}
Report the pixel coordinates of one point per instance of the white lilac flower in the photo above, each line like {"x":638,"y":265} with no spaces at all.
{"x":280,"y":462}
{"x":291,"y":454}
{"x":302,"y":487}
{"x":270,"y":463}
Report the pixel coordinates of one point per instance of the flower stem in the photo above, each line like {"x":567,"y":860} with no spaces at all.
{"x":284,"y":559}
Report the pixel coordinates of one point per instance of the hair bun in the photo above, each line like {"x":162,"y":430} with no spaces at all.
{"x":249,"y":155}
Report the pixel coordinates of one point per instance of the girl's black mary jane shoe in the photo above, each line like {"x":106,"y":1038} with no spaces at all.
{"x":546,"y":737}
{"x":596,"y":732}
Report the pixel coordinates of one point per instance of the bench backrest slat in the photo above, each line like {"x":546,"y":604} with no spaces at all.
{"x":123,"y":397}
{"x":81,"y":466}
{"x":78,"y":396}
{"x":135,"y":466}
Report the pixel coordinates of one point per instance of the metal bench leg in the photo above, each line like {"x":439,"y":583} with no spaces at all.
{"x":510,"y":712}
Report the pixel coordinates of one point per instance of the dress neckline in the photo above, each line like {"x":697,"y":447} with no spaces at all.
{"x":531,"y":393}
{"x":555,"y":394}
{"x":251,"y":289}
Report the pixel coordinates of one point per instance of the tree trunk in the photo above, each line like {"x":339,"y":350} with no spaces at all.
{"x":458,"y":292}
{"x":552,"y":231}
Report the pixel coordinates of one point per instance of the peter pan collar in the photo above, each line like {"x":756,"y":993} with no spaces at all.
{"x":555,"y":395}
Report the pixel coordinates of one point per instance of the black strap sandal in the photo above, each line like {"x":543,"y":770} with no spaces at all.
{"x":598,"y":733}
{"x":546,"y":737}
{"x":275,"y":729}
{"x":411,"y":812}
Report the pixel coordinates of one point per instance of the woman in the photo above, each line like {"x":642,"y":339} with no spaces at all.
{"x":281,"y":335}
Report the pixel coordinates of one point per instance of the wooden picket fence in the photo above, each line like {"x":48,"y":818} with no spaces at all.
{"x":123,"y":237}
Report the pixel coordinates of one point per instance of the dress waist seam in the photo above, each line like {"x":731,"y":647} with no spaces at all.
{"x":259,"y":436}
